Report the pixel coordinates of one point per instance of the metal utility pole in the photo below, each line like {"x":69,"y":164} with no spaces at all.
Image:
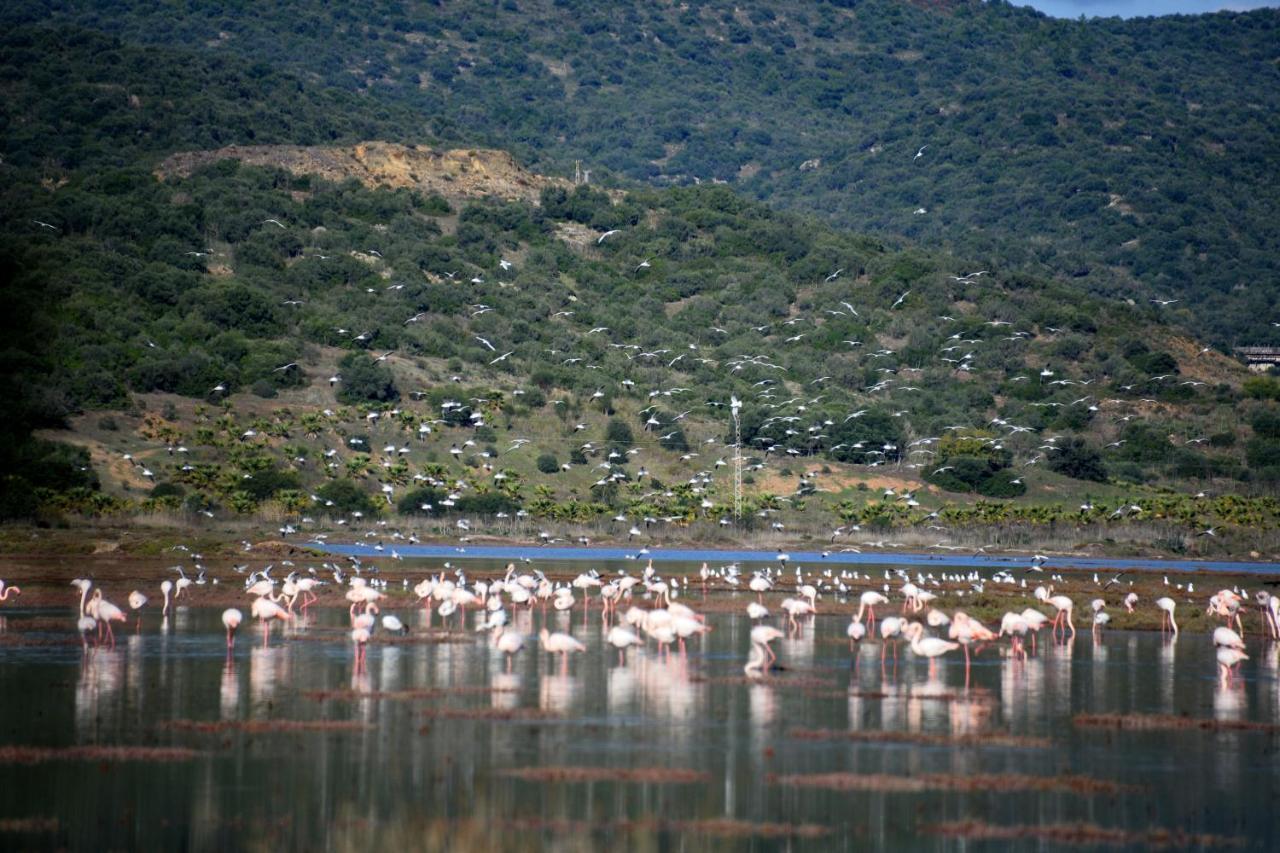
{"x":735,"y":407}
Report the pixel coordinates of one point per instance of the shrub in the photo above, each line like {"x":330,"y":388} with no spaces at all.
{"x":347,"y":497}
{"x":618,"y":433}
{"x":421,"y":501}
{"x":490,"y":503}
{"x":548,"y":464}
{"x":167,"y":490}
{"x":366,"y":381}
{"x":1076,"y":459}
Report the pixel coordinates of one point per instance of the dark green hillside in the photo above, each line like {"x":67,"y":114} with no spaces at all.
{"x":1133,"y":157}
{"x":234,"y":331}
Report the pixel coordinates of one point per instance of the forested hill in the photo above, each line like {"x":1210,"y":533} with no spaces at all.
{"x":1135,"y":157}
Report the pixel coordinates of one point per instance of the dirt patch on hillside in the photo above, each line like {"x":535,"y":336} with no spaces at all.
{"x":458,"y":173}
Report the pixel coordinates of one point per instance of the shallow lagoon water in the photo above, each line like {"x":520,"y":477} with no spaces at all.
{"x":416,"y":776}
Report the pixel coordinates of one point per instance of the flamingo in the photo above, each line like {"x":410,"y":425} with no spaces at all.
{"x":561,"y":644}
{"x":231,"y":620}
{"x":85,"y":623}
{"x":622,"y":639}
{"x":136,"y":602}
{"x":508,"y":642}
{"x":1100,"y":620}
{"x":1270,"y":606}
{"x":762,"y":655}
{"x":6,"y":591}
{"x":394,"y":625}
{"x":166,"y":587}
{"x":910,"y":598}
{"x":759,"y":584}
{"x":795,"y":607}
{"x":1035,"y":621}
{"x":966,"y":630}
{"x":106,"y":613}
{"x":868,"y":602}
{"x":265,"y":609}
{"x":1064,"y":606}
{"x":1226,"y":603}
{"x":1228,"y":658}
{"x":1015,"y":625}
{"x":890,"y":629}
{"x":928,"y":647}
{"x":360,"y":636}
{"x":1130,"y":600}
{"x":756,"y":612}
{"x":686,"y":625}
{"x":306,"y":587}
{"x":1167,"y":606}
{"x":856,"y":632}
{"x":757,"y":660}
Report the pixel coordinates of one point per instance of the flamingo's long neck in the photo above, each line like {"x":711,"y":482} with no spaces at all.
{"x":84,"y":593}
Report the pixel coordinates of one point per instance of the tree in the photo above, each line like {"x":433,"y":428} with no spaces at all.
{"x":618,"y":433}
{"x":346,"y":496}
{"x":366,"y":381}
{"x":1075,"y":458}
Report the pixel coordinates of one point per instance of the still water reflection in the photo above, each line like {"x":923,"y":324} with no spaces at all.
{"x":418,"y":771}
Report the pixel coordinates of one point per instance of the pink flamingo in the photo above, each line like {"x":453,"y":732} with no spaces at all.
{"x":265,"y":610}
{"x":106,"y":613}
{"x":928,"y":647}
{"x":231,"y":620}
{"x":561,"y":644}
{"x":1035,"y":621}
{"x":1064,"y":606}
{"x":868,"y":602}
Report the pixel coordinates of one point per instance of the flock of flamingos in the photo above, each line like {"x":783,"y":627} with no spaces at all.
{"x":929,"y":632}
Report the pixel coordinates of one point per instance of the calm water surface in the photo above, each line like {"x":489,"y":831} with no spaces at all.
{"x":411,"y":780}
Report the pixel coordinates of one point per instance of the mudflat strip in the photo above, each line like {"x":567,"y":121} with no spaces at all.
{"x":661,"y":775}
{"x":108,"y":754}
{"x":1000,"y":783}
{"x":990,"y":739}
{"x":1082,"y":835}
{"x":1167,"y":722}
{"x":264,"y":726}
